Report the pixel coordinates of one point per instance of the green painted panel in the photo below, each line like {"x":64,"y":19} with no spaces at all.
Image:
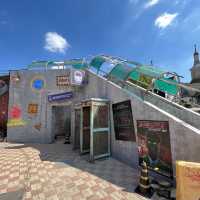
{"x":166,"y":87}
{"x":134,"y":75}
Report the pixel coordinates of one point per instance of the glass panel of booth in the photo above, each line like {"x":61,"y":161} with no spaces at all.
{"x":100,"y":129}
{"x":94,"y":128}
{"x":85,"y":132}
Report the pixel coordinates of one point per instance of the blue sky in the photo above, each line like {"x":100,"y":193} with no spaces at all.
{"x":140,"y":30}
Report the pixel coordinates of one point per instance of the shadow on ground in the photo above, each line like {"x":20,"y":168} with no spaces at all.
{"x":108,"y":169}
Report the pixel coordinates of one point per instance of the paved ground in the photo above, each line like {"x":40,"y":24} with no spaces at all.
{"x":55,"y":172}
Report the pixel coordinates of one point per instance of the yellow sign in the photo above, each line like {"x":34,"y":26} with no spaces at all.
{"x":32,"y":108}
{"x":188,"y":180}
{"x":16,"y":122}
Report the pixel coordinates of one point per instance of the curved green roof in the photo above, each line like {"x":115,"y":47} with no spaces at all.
{"x":150,"y":71}
{"x":97,"y":62}
{"x":120,"y":72}
{"x":76,"y":63}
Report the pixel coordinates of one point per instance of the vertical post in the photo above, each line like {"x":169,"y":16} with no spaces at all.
{"x":109,"y":127}
{"x":91,"y":133}
{"x":73,"y":125}
{"x":81,"y":130}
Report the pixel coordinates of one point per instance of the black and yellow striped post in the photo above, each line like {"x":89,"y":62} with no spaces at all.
{"x":144,"y":184}
{"x":67,"y":139}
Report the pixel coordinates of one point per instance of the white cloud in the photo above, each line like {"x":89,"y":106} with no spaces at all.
{"x":151,"y":3}
{"x":55,"y":43}
{"x":165,"y":20}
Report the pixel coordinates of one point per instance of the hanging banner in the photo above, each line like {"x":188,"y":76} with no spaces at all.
{"x":154,"y":146}
{"x":187,"y":180}
{"x":60,"y":97}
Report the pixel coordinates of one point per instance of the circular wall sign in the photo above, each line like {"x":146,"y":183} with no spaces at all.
{"x":38,"y":84}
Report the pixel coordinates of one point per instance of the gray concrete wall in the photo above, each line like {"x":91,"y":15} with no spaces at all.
{"x":185,"y":139}
{"x":175,"y":109}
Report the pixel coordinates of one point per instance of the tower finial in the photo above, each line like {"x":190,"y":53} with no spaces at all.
{"x":195,"y":48}
{"x":196,"y":56}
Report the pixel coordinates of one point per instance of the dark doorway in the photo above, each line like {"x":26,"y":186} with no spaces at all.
{"x":61,"y":121}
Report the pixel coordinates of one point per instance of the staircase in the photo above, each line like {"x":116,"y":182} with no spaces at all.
{"x":187,"y":115}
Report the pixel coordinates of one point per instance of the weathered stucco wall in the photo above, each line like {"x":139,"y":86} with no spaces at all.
{"x":22,"y":94}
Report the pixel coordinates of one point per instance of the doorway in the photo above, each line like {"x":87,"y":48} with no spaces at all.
{"x":61,"y":122}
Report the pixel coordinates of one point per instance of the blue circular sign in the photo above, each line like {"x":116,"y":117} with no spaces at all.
{"x":38,"y":84}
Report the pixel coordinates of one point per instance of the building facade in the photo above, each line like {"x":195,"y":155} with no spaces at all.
{"x":42,"y":107}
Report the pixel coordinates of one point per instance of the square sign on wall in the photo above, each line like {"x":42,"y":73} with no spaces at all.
{"x":63,"y":80}
{"x":33,"y":109}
